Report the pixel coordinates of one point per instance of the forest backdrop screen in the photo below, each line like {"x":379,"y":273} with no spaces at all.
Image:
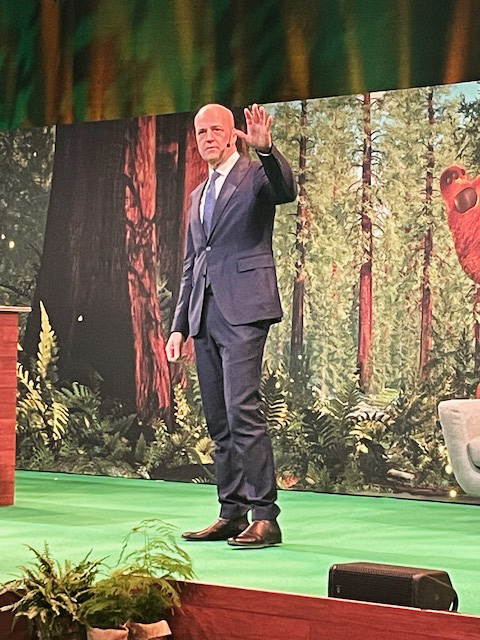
{"x":381,"y":308}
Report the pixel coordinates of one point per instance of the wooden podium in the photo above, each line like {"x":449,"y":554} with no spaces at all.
{"x":8,"y":397}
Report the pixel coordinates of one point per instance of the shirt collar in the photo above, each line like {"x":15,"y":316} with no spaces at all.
{"x":225,"y":168}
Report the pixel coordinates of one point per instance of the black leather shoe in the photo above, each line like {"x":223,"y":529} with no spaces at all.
{"x":221,"y":529}
{"x":260,"y":534}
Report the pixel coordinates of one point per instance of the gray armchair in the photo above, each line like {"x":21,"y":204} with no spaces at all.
{"x":460,"y":420}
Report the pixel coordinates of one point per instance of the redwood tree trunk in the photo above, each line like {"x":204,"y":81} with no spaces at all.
{"x":99,"y":265}
{"x":83,"y":273}
{"x":427,"y":298}
{"x":296,"y":339}
{"x":152,"y":379}
{"x":365,"y":312}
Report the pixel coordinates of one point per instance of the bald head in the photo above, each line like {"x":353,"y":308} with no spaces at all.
{"x":215,"y":133}
{"x":218,"y":111}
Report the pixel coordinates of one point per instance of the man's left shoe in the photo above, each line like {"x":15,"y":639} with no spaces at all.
{"x":260,"y":534}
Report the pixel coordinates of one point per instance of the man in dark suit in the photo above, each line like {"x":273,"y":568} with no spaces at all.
{"x":228,"y":298}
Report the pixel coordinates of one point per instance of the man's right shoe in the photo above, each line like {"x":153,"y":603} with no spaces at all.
{"x":221,"y":529}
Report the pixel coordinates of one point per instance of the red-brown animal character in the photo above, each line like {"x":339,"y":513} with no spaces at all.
{"x":462,"y":198}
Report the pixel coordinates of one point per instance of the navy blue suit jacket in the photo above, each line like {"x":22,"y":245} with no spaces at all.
{"x":238,"y":252}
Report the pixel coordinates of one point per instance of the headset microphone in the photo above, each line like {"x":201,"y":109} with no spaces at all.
{"x":228,"y":144}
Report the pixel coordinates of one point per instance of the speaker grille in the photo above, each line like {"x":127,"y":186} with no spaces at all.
{"x":391,"y":584}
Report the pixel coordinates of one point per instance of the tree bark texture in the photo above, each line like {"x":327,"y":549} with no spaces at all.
{"x":427,"y":295}
{"x":303,"y":224}
{"x":365,"y":312}
{"x":152,"y":379}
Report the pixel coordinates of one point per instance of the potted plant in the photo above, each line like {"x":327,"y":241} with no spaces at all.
{"x":142,"y":588}
{"x":50,"y":595}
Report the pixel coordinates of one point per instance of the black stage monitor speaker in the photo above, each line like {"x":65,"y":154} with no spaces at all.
{"x":390,"y":584}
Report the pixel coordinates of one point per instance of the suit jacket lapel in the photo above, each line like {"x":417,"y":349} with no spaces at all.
{"x":228,"y":189}
{"x":196,"y":197}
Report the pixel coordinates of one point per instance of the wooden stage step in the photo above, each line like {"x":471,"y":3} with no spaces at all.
{"x":213,"y":612}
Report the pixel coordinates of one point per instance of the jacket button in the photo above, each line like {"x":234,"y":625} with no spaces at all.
{"x":208,"y":248}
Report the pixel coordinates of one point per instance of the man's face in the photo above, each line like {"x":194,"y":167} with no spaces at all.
{"x":213,"y":132}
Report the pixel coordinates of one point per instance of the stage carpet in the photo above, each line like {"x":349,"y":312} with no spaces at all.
{"x":77,"y":513}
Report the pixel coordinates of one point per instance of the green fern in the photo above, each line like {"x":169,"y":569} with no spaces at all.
{"x":190,"y":442}
{"x":143,"y":585}
{"x":68,"y":421}
{"x":47,"y":355}
{"x":50,"y":594}
{"x":82,"y":398}
{"x":40,"y":410}
{"x":274,"y":403}
{"x":141,"y":449}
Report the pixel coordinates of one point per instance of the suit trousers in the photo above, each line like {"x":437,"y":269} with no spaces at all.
{"x":229,"y":363}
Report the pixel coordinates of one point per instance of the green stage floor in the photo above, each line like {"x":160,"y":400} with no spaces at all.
{"x":77,"y":513}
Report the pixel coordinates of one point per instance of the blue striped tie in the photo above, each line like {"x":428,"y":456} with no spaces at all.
{"x":209,"y":205}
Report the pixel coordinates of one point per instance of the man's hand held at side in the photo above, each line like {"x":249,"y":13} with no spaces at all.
{"x":174,"y":346}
